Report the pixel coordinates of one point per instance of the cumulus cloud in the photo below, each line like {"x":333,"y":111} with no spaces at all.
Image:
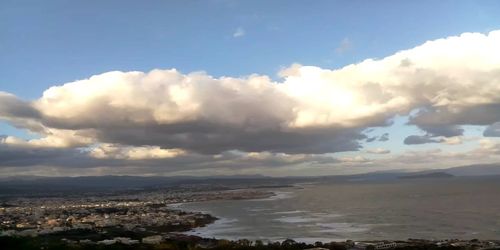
{"x":448,"y":134}
{"x":453,"y":140}
{"x":24,"y":155}
{"x":166,"y":114}
{"x":117,"y":159}
{"x":13,"y":107}
{"x":446,"y":131}
{"x":493,"y":130}
{"x":489,"y":147}
{"x":420,"y":139}
{"x":133,"y":153}
{"x":384,"y":137}
{"x":194,"y":112}
{"x":355,"y":160}
{"x":371,"y":139}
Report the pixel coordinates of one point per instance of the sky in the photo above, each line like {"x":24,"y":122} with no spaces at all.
{"x":247,"y":87}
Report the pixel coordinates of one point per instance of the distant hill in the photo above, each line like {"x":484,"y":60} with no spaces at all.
{"x":427,"y":176}
{"x":475,"y":170}
{"x":37,"y":185}
{"x":469,"y":170}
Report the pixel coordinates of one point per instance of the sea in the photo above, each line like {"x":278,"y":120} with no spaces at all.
{"x":448,"y":208}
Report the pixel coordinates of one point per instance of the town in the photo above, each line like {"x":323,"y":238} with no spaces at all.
{"x":141,"y":216}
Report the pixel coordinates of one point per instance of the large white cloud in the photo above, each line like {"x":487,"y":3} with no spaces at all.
{"x":446,"y":79}
{"x":453,"y":81}
{"x":194,"y":112}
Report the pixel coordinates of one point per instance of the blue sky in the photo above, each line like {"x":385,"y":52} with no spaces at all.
{"x":49,"y":43}
{"x":52,"y":42}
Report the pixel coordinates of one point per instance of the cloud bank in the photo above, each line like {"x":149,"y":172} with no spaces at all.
{"x":309,"y":113}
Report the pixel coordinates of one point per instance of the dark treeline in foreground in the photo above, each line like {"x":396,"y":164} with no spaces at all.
{"x":197,"y":243}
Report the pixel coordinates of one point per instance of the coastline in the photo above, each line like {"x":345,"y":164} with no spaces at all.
{"x":152,"y":238}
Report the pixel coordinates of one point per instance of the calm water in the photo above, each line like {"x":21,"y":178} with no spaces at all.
{"x":431,"y":209}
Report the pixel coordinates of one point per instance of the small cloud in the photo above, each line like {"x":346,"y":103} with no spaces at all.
{"x":442,"y":130}
{"x":455,"y":140}
{"x":344,"y":46}
{"x":239,"y":32}
{"x":487,"y":144}
{"x":420,"y":139}
{"x":384,"y":137}
{"x":378,"y":151}
{"x":355,"y":159}
{"x":493,"y":130}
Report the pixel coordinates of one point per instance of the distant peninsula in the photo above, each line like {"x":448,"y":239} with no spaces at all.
{"x":428,"y":176}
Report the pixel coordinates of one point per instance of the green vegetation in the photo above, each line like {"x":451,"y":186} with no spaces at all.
{"x":184,"y":242}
